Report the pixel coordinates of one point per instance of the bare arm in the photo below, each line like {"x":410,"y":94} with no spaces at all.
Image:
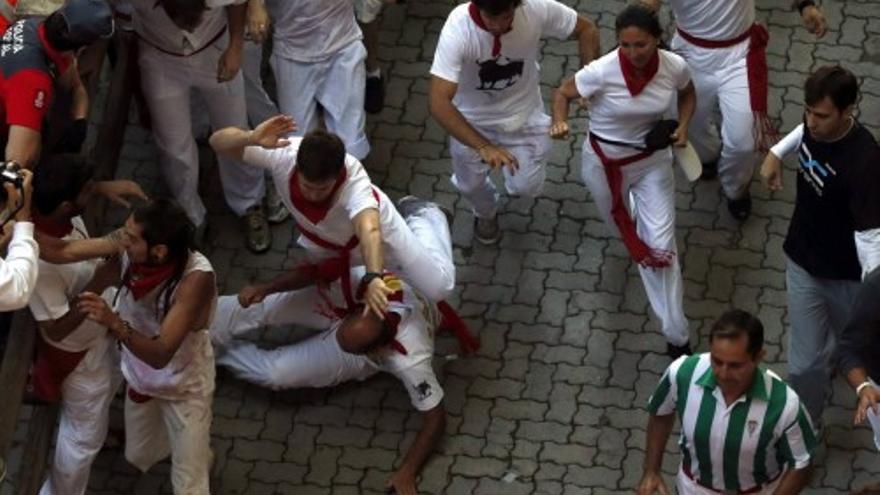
{"x":23,"y":146}
{"x":230,"y":61}
{"x":659,"y":428}
{"x":368,"y":230}
{"x":189,"y":312}
{"x":561,"y":100}
{"x":299,"y":277}
{"x":257,"y":20}
{"x":793,"y":481}
{"x":587,"y":34}
{"x":403,"y":480}
{"x":105,"y":275}
{"x":687,"y":102}
{"x":61,"y":251}
{"x":231,"y":141}
{"x":71,"y":82}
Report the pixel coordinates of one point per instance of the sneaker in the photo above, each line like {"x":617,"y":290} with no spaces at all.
{"x":258,"y":237}
{"x":486,"y":231}
{"x":710,"y":171}
{"x":740,"y":208}
{"x":276,"y":212}
{"x":374,"y":96}
{"x":676,"y":351}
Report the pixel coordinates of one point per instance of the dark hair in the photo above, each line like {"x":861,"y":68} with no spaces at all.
{"x":834,"y":82}
{"x":496,"y":7}
{"x":60,"y":178}
{"x":736,"y":322}
{"x":165,"y":223}
{"x":321,"y":156}
{"x":58,"y":35}
{"x":639,"y":16}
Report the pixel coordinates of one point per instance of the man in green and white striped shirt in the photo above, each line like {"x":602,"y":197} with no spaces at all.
{"x":743,"y":429}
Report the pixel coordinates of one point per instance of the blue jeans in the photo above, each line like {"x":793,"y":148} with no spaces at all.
{"x":818,"y":309}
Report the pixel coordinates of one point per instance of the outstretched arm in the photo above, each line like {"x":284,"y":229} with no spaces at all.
{"x":232,"y":141}
{"x":403,"y":481}
{"x":587,"y":34}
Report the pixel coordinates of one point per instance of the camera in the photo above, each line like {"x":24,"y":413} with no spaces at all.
{"x":9,"y":173}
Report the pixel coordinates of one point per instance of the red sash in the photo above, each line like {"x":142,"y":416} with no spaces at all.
{"x":756,"y":65}
{"x":640,"y":252}
{"x":451,"y":322}
{"x":51,"y":366}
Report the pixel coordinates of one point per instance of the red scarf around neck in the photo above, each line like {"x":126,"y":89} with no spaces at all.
{"x":474,"y":11}
{"x":51,"y":227}
{"x":315,"y":211}
{"x":143,"y":278}
{"x":636,"y":79}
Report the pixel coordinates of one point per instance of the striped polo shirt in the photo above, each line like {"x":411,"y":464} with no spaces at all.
{"x":736,"y":447}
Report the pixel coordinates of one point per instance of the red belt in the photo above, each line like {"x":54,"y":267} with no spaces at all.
{"x":175,"y":54}
{"x":763,"y":130}
{"x":640,"y":252}
{"x":754,"y":489}
{"x":51,"y":366}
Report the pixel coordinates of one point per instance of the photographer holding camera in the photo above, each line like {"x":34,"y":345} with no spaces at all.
{"x":18,"y":271}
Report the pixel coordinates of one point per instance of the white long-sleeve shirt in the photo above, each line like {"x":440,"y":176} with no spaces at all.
{"x":18,"y":272}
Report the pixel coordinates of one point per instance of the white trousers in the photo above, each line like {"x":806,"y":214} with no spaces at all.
{"x":86,"y":395}
{"x":687,"y":486}
{"x":337,"y":84}
{"x":316,"y":362}
{"x":529,"y":145}
{"x":259,"y":106}
{"x":723,"y":101}
{"x":418,"y":249}
{"x":156,"y":428}
{"x":167,"y":81}
{"x":649,"y":186}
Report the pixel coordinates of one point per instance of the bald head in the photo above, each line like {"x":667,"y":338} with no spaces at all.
{"x":359,"y":334}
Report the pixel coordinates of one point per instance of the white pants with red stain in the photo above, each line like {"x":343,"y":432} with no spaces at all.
{"x":530,"y":145}
{"x":649,"y":190}
{"x":337,"y":84}
{"x":86,"y":395}
{"x":182,"y":428}
{"x":167,"y":82}
{"x":722,"y":84}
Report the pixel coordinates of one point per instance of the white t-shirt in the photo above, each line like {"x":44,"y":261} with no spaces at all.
{"x":57,"y":286}
{"x":502,"y":91}
{"x":617,"y":115}
{"x":153,"y":25}
{"x":712,"y":20}
{"x":355,"y":195}
{"x":312,"y":30}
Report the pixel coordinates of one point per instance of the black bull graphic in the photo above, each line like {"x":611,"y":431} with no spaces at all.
{"x":496,"y":76}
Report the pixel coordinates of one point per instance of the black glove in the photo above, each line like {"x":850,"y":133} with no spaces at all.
{"x":73,"y":138}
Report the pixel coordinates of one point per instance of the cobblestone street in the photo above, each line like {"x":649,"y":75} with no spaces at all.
{"x":553,"y":402}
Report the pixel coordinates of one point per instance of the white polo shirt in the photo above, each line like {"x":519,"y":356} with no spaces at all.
{"x":616,"y":114}
{"x":154,"y":26}
{"x":502,"y":91}
{"x":312,"y":30}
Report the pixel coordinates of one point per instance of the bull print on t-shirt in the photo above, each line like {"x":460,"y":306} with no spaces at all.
{"x":496,"y":76}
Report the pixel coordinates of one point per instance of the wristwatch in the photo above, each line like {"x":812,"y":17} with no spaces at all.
{"x":368,"y":277}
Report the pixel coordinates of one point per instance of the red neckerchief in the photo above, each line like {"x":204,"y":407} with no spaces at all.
{"x":143,"y":278}
{"x":49,"y":226}
{"x":474,"y":11}
{"x":637,"y":80}
{"x":61,"y":61}
{"x":315,"y":211}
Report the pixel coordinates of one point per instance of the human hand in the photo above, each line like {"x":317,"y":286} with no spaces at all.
{"x":652,"y":482}
{"x":402,"y":483}
{"x":496,"y":156}
{"x":16,"y":197}
{"x":814,"y":20}
{"x":680,"y":136}
{"x":269,"y":133}
{"x":252,"y":294}
{"x":376,"y":297}
{"x":97,"y":309}
{"x":257,"y":22}
{"x":559,"y":130}
{"x":118,"y":190}
{"x":869,"y":397}
{"x":771,"y":172}
{"x":229,"y":63}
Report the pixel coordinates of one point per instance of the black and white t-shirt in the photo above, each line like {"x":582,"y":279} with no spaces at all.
{"x":838,"y":194}
{"x":500,"y":89}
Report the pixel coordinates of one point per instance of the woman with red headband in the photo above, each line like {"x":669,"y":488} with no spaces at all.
{"x":627,"y":156}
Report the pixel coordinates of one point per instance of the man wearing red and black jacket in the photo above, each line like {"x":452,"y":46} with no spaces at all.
{"x":34,"y":54}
